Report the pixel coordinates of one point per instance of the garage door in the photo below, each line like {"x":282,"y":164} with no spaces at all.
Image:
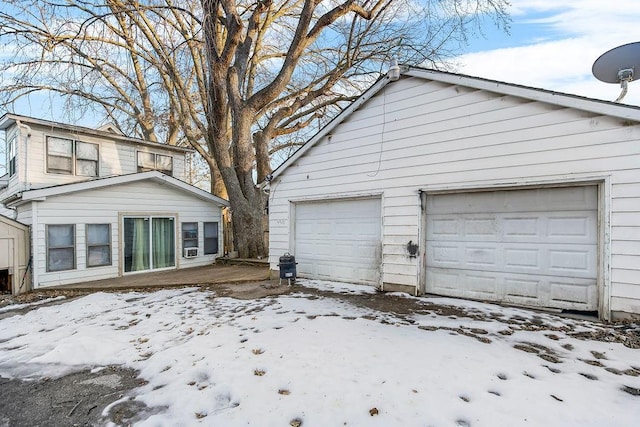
{"x":339,"y":240}
{"x":531,"y":247}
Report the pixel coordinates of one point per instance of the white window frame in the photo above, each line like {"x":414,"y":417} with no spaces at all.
{"x":74,"y":158}
{"x":150,"y":218}
{"x":12,"y":155}
{"x":205,"y":238}
{"x":89,"y":246}
{"x":189,"y":239}
{"x":156,"y":163}
{"x":72,"y":246}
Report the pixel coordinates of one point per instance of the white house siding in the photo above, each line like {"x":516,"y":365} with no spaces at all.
{"x":14,"y":182}
{"x":9,"y":213}
{"x":116,"y":158}
{"x":417,"y":134}
{"x":105,"y":205}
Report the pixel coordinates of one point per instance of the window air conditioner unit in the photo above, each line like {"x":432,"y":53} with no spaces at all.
{"x":190,"y":252}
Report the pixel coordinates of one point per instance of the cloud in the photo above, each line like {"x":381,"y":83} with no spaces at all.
{"x":572,"y":38}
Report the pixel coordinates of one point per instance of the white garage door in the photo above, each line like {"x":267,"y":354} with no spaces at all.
{"x":339,"y":240}
{"x":531,"y":247}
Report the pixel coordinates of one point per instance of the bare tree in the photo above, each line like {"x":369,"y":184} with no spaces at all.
{"x":238,"y":80}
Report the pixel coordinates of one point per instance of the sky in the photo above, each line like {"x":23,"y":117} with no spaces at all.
{"x":553,"y":45}
{"x":323,"y":361}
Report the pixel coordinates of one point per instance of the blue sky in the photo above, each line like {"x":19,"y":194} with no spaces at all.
{"x":553,"y":45}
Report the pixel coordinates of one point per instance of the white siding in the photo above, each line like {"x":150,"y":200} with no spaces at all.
{"x":104,"y":206}
{"x":15,"y":181}
{"x":116,"y":158}
{"x":417,"y":134}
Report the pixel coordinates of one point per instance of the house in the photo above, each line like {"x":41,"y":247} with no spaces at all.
{"x":101,"y":205}
{"x":460,"y":186}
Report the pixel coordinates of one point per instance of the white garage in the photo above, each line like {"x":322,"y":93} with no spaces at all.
{"x":489,"y":191}
{"x":536,"y":247}
{"x":339,"y":240}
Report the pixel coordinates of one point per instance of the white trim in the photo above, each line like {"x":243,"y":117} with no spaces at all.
{"x":369,"y":93}
{"x":155,"y":176}
{"x":35,"y":261}
{"x":604,"y":249}
{"x":337,"y":197}
{"x":494,"y":185}
{"x":8,"y":119}
{"x":565,"y":100}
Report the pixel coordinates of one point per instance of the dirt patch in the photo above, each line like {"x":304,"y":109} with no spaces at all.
{"x":76,"y":399}
{"x":252,"y":290}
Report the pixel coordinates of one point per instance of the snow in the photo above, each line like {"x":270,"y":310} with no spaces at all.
{"x":13,"y":307}
{"x":213,"y":360}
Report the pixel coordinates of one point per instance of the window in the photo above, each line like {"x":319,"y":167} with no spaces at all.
{"x":12,"y":156}
{"x":59,"y":155}
{"x":66,"y":156}
{"x":189,"y":234}
{"x":149,"y":243}
{"x":86,"y":159}
{"x":61,"y":247}
{"x":210,"y":238}
{"x":155,"y":162}
{"x":98,"y":245}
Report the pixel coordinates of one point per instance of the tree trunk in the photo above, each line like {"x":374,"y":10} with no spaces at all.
{"x":247,"y":218}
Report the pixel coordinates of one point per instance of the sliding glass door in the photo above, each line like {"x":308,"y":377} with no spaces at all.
{"x":149,"y":243}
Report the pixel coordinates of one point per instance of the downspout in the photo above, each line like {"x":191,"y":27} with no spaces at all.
{"x":35,"y":262}
{"x":26,"y":139}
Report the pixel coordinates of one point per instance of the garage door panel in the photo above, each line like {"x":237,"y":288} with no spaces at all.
{"x":483,"y":256}
{"x":579,"y":294}
{"x":526,"y":288}
{"x":550,"y":227}
{"x":522,"y":258}
{"x":535,"y":200}
{"x":463,"y":283}
{"x":339,"y":240}
{"x":526,"y":258}
{"x":535,"y":247}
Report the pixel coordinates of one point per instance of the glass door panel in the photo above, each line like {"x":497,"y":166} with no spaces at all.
{"x":136,"y":244}
{"x":163,"y":243}
{"x":149,"y":243}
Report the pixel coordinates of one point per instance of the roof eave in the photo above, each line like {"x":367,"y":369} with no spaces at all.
{"x":368,"y":94}
{"x":623,"y":111}
{"x":8,"y":119}
{"x":43,"y":193}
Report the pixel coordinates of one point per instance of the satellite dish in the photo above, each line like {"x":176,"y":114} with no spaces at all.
{"x":618,"y":66}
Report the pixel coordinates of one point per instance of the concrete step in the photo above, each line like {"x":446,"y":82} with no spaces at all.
{"x":263,"y":262}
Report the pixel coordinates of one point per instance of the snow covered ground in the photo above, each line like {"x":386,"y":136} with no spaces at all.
{"x":303,"y":359}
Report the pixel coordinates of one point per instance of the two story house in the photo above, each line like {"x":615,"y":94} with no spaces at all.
{"x":99,"y":205}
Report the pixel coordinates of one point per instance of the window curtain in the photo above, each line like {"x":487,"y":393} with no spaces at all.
{"x":136,"y":245}
{"x":163,"y":242}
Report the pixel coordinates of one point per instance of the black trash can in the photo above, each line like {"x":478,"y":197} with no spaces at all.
{"x":287,"y":267}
